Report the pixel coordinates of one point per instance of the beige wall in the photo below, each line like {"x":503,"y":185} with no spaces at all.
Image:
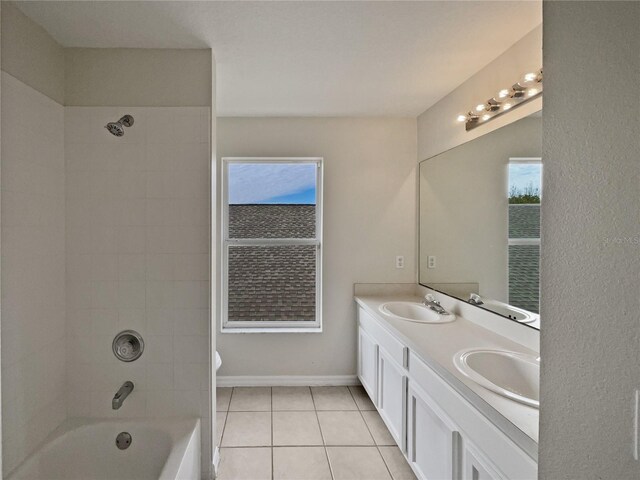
{"x":590,"y":246}
{"x":137,"y":77}
{"x":30,"y":54}
{"x":369,"y":218}
{"x":438,"y":129}
{"x":463,"y":208}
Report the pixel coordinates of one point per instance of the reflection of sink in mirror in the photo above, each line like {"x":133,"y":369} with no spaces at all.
{"x":510,"y":374}
{"x":485,"y":194}
{"x":509,"y":311}
{"x":414,"y":312}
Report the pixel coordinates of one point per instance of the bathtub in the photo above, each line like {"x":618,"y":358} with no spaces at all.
{"x":160,"y":449}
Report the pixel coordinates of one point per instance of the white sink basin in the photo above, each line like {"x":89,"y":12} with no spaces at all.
{"x":414,"y":312}
{"x":509,"y":311}
{"x":510,"y":374}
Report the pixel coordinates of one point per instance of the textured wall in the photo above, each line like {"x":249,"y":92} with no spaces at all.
{"x":590,"y":341}
{"x":369,"y":218}
{"x":33,"y":269}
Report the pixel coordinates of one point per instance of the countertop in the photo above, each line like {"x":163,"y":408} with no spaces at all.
{"x":437,"y":344}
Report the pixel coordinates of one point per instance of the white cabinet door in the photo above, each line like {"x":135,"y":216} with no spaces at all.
{"x":368,"y":364}
{"x":476,"y":467}
{"x":392,"y":391}
{"x":433,"y":439}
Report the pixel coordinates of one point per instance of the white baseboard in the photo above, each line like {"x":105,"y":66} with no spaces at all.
{"x":286,"y":380}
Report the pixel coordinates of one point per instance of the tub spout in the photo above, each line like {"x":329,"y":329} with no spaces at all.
{"x":121,"y":394}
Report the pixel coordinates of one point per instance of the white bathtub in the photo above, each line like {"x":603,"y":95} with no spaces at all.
{"x":161,"y":449}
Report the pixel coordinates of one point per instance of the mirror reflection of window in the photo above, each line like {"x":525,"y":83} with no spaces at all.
{"x":525,"y":196}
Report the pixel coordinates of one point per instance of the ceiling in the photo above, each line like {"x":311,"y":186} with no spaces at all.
{"x":309,"y":58}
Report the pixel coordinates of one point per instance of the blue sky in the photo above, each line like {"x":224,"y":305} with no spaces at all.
{"x":272,"y":183}
{"x":522,"y":175}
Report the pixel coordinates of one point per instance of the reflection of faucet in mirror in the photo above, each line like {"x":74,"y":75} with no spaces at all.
{"x":489,"y":206}
{"x":475,"y":299}
{"x":431,"y":302}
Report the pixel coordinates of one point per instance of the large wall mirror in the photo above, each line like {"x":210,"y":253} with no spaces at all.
{"x":480,"y":221}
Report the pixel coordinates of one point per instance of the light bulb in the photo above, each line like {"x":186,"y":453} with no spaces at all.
{"x":480,"y":107}
{"x":462,"y":118}
{"x":486,"y":117}
{"x":532,"y":91}
{"x":506,"y":106}
{"x":504,"y":93}
{"x":530,"y":77}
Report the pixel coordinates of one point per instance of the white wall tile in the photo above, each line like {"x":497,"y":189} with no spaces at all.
{"x":132,"y":267}
{"x":33,"y":269}
{"x":104,"y":294}
{"x":132,"y":319}
{"x":160,"y":321}
{"x":131,"y":294}
{"x":160,"y":376}
{"x":137,"y":245}
{"x":104,"y":321}
{"x":130,"y":239}
{"x":159,"y":349}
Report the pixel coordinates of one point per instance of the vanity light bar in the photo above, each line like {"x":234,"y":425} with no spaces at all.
{"x":528,"y":88}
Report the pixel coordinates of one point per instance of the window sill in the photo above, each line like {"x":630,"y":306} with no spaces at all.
{"x":271,"y":330}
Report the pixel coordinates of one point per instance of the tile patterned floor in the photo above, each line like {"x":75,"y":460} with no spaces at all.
{"x":304,"y":433}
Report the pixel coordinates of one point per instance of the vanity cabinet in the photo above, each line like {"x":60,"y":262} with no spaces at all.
{"x":392,"y":388}
{"x":476,"y":468}
{"x":433,"y":439}
{"x":368,"y":364}
{"x":442,"y":435}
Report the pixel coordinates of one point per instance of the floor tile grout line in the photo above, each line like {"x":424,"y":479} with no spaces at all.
{"x":224,"y":426}
{"x":323,"y":445}
{"x":324,"y":442}
{"x":364,"y":420}
{"x":307,"y":446}
{"x":375,"y":443}
{"x":271,"y":407}
{"x":226,"y":417}
{"x":385,"y":460}
{"x":292,"y":411}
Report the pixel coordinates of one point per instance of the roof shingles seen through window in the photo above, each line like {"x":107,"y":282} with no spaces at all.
{"x":272,"y":283}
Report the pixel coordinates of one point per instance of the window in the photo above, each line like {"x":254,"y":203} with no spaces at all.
{"x":525,"y":196}
{"x":272,"y":235}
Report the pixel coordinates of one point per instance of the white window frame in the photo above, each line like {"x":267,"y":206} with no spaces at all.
{"x":285,"y":326}
{"x":523,"y":241}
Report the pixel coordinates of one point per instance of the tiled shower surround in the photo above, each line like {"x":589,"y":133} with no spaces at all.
{"x":137,"y":243}
{"x":33,"y":266}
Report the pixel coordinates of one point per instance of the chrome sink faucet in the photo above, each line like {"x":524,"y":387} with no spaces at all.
{"x":475,"y":299}
{"x":121,"y":394}
{"x":431,"y":302}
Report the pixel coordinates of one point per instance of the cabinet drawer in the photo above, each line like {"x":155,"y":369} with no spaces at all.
{"x":513,"y":462}
{"x":395,"y":350}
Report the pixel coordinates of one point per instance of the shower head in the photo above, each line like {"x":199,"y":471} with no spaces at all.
{"x":117,"y":128}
